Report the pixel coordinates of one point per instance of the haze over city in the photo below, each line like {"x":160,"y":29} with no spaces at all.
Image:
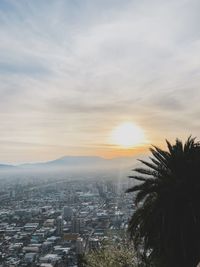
{"x":77,"y":76}
{"x":99,"y":133}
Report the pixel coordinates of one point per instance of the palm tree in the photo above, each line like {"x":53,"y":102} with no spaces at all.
{"x":165,"y":227}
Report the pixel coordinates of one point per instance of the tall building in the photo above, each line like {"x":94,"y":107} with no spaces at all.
{"x":76,"y":225}
{"x":79,"y":246}
{"x":67,"y":213}
{"x":59,"y":226}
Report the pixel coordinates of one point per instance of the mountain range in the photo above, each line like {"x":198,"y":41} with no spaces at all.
{"x":73,"y":161}
{"x":71,"y":166}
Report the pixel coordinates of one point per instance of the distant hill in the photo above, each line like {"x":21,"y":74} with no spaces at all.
{"x":6,"y":166}
{"x":71,"y":160}
{"x":72,"y":166}
{"x":81,"y":161}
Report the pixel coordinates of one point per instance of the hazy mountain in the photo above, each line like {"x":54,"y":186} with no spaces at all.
{"x":71,"y":166}
{"x":83,"y":161}
{"x":67,"y":161}
{"x":6,"y":166}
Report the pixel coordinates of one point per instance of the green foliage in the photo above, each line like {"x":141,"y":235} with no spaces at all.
{"x":111,"y":255}
{"x":165,"y":227}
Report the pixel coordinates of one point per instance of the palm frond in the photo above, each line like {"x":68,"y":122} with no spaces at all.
{"x":143,"y":194}
{"x":166,"y":221}
{"x":139,"y":178}
{"x":189,"y":144}
{"x":150,"y":165}
{"x":160,"y":156}
{"x":145,"y":171}
{"x":143,"y":186}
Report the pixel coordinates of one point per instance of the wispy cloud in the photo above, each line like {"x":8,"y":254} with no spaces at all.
{"x":72,"y":70}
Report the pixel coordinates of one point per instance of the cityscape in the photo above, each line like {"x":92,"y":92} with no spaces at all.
{"x":99,"y":133}
{"x":53,"y":223}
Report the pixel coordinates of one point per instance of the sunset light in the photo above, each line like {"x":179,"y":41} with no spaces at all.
{"x":127,"y":135}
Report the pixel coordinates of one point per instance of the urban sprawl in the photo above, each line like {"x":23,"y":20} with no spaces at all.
{"x":51,"y":224}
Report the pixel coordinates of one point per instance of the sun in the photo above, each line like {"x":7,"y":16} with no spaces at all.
{"x":127,"y":135}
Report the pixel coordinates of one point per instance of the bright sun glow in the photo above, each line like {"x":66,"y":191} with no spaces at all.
{"x":127,"y":135}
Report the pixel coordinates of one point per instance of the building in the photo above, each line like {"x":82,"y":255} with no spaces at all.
{"x":59,"y":226}
{"x":67,"y":213}
{"x":76,"y":225}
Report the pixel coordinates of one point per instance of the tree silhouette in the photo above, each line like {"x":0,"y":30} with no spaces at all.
{"x":165,"y":227}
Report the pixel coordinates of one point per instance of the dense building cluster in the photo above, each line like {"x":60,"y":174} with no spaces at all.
{"x":53,"y":223}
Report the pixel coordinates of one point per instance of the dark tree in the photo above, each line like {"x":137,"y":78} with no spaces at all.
{"x":165,"y":227}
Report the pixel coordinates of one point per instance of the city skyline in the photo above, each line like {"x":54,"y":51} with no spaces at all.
{"x":71,"y":72}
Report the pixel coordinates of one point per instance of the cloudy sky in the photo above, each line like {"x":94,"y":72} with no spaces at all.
{"x":73,"y":70}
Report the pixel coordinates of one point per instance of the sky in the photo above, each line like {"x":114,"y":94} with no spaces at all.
{"x":73,"y":70}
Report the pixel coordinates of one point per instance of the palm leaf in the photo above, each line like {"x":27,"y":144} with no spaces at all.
{"x":167,"y":218}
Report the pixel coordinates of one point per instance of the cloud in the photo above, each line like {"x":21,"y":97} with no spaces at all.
{"x":72,"y":70}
